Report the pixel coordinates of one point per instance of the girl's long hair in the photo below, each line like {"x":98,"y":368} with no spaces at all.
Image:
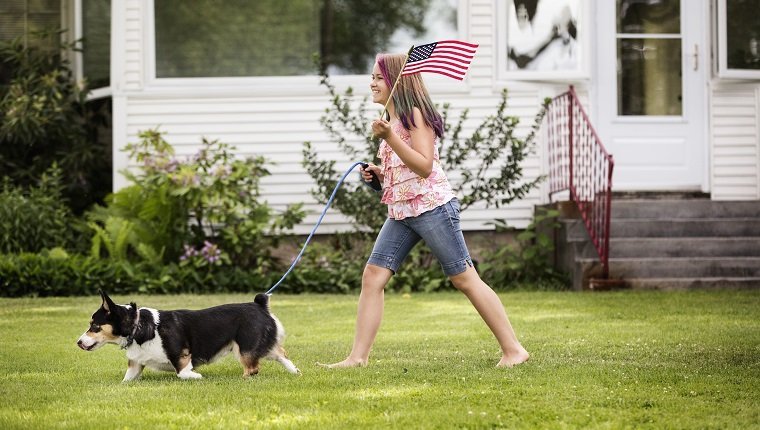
{"x":410,"y":92}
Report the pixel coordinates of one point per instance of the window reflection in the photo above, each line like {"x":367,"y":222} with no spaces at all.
{"x":743,"y":34}
{"x":649,"y":77}
{"x":281,"y":38}
{"x":96,"y":43}
{"x":649,"y":16}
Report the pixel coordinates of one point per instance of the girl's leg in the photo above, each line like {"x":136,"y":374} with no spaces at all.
{"x":392,"y":245}
{"x":369,"y":315}
{"x":490,"y":308}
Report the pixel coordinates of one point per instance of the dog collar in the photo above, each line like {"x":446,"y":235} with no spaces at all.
{"x":131,"y":337}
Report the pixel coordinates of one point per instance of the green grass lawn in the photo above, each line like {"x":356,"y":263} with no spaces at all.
{"x":599,"y":360}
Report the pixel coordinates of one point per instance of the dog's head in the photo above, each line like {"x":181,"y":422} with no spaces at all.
{"x":111,"y":323}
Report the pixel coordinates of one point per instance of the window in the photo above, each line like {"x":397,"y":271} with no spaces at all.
{"x":208,"y":38}
{"x":649,"y":57}
{"x":96,"y":42}
{"x":739,"y":39}
{"x":26,"y":18}
{"x":543,"y":39}
{"x":22,"y":18}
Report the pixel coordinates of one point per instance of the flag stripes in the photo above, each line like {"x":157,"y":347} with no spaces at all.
{"x":447,"y":57}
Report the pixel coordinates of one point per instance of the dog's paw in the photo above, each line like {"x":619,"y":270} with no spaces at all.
{"x":189,"y":374}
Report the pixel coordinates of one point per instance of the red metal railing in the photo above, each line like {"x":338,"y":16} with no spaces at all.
{"x":578,"y":162}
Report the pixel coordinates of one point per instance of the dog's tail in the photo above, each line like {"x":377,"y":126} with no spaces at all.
{"x":262,"y":300}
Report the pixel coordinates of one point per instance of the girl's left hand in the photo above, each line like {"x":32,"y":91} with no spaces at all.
{"x":381,"y":128}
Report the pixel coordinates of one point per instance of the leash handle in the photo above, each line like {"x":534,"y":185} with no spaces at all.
{"x":375,"y":182}
{"x":313,"y":230}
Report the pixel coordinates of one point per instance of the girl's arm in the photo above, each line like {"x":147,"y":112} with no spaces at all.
{"x":419,"y":155}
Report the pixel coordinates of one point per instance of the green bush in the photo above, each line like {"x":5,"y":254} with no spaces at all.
{"x":56,"y":273}
{"x":36,"y":218}
{"x":45,"y":118}
{"x":203,"y":210}
{"x":528,"y":260}
{"x":44,"y":275}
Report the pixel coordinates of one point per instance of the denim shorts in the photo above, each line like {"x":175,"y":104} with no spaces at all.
{"x":440,"y":230}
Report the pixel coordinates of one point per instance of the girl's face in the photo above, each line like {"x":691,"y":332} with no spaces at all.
{"x":379,"y":88}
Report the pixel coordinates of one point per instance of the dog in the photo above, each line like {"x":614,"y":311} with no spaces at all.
{"x":180,"y":340}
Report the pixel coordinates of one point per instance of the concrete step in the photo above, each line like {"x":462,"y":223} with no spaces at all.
{"x":694,"y":267}
{"x":691,"y":283}
{"x":649,"y":228}
{"x":675,"y":247}
{"x":706,"y":227}
{"x":658,"y":209}
{"x":668,"y":244}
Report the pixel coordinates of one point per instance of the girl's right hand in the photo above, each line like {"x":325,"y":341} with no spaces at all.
{"x":367,"y":176}
{"x":381,"y":129}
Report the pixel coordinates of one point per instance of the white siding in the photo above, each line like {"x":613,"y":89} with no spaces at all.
{"x":735,"y":141}
{"x":273,"y":117}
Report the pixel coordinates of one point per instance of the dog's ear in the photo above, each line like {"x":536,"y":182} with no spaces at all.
{"x":108,"y":305}
{"x":133,"y":311}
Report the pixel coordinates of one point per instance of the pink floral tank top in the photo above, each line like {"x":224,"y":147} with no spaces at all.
{"x":406,"y":193}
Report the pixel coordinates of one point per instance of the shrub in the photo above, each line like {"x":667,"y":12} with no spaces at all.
{"x":36,"y":218}
{"x":56,"y":273}
{"x":45,"y":119}
{"x":528,"y":261}
{"x":44,"y":275}
{"x":204,"y":208}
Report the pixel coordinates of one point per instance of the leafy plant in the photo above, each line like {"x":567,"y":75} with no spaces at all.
{"x":35,"y":218}
{"x":210,"y":200}
{"x":45,"y":119}
{"x":57,"y":273}
{"x":528,"y":259}
{"x":117,"y":239}
{"x":490,"y":160}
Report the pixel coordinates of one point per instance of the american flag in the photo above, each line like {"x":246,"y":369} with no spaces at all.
{"x":447,"y":57}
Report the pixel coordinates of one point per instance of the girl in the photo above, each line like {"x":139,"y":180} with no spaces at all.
{"x":421,"y":206}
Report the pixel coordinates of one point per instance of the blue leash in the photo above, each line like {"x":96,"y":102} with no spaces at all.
{"x":319,"y":221}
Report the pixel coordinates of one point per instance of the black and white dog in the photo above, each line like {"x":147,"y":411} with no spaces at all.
{"x":180,"y":340}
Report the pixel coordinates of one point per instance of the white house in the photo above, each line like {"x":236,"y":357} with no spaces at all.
{"x":671,"y":86}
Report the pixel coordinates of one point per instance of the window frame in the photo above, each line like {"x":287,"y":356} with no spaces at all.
{"x":503,"y":74}
{"x":269,"y":86}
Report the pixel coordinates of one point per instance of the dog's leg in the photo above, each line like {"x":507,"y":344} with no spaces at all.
{"x":250,"y":364}
{"x":279,"y":355}
{"x":184,"y":366}
{"x":134,"y":370}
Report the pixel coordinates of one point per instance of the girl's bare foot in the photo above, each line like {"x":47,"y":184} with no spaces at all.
{"x":349,"y":362}
{"x":513,"y":359}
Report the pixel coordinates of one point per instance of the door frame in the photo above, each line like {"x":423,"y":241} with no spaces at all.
{"x":695,"y":29}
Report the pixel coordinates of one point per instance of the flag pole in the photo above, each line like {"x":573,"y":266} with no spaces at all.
{"x":398,"y":78}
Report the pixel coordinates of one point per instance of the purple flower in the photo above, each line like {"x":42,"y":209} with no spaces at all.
{"x":189,"y":252}
{"x":211,"y":252}
{"x":172,"y":165}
